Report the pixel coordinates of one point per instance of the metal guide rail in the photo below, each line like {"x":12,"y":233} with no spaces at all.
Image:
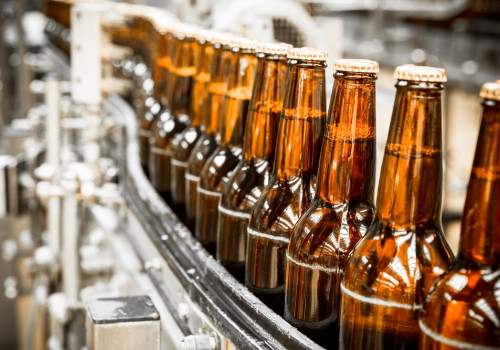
{"x":233,"y":309}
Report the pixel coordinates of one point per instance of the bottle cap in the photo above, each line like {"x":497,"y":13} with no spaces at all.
{"x":206,"y":34}
{"x":308,"y":53}
{"x":163,"y":21}
{"x":281,"y":49}
{"x":420,"y":73}
{"x":491,"y":91}
{"x":222,"y":38}
{"x":186,"y":30}
{"x":356,"y":65}
{"x":244,"y":43}
{"x":164,"y":25}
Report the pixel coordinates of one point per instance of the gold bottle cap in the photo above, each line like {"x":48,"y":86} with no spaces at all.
{"x":491,"y":91}
{"x":164,"y":24}
{"x":244,"y":43}
{"x":186,"y":30}
{"x":420,"y":73}
{"x":206,"y":34}
{"x":281,"y":49}
{"x":222,"y":38}
{"x":308,"y":53}
{"x":356,"y":65}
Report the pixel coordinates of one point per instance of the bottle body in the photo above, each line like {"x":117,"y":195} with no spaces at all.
{"x":208,"y":142}
{"x":462,"y":309}
{"x":404,"y":251}
{"x":292,"y":185}
{"x":219,"y":167}
{"x":252,"y":174}
{"x":187,"y":139}
{"x":171,"y":122}
{"x":215,"y":173}
{"x":156,"y":103}
{"x":342,"y":210}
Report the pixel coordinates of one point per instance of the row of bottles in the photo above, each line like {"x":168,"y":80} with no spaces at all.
{"x":237,"y":139}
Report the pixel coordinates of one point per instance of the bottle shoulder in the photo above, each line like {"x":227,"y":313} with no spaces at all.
{"x":330,"y":229}
{"x":246,"y":184}
{"x":185,"y":141}
{"x":219,"y":166}
{"x":204,"y":147}
{"x":397,"y":265}
{"x":281,"y":204}
{"x":463,"y":305}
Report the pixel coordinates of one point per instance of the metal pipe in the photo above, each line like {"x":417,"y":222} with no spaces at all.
{"x":52,"y":130}
{"x":71,"y":233}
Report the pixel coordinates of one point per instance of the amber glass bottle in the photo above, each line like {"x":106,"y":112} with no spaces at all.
{"x":212,"y":110}
{"x":462,"y":310}
{"x":342,"y":210}
{"x":222,"y":162}
{"x":393,"y":266}
{"x":172,"y":121}
{"x":184,"y":143}
{"x":292,"y":185}
{"x":158,"y":102}
{"x":252,"y":174}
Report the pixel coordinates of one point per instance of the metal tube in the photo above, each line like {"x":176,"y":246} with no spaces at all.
{"x":71,"y":237}
{"x":52,"y":124}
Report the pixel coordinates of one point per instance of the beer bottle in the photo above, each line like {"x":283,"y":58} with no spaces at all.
{"x":404,"y":251}
{"x":212,"y":110}
{"x":184,"y":143}
{"x":252,"y":174}
{"x":462,"y":310}
{"x":150,"y":103}
{"x":222,"y":162}
{"x":342,"y":210}
{"x":172,"y":121}
{"x":292,"y":184}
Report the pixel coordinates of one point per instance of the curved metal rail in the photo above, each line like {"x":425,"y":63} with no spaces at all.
{"x":232,"y":308}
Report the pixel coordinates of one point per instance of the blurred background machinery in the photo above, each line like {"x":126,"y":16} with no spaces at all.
{"x":119,"y":246}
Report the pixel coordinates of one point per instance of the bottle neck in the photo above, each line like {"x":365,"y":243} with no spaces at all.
{"x":237,"y":99}
{"x":302,"y":121}
{"x":184,"y":69}
{"x":410,"y":186}
{"x":347,"y":161}
{"x":217,"y":88}
{"x":266,"y":105}
{"x":481,"y":218}
{"x":199,"y":95}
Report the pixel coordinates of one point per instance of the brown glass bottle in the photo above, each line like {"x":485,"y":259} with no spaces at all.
{"x":153,"y":104}
{"x":292,"y":184}
{"x":212,"y":110}
{"x":462,"y":310}
{"x":172,"y":121}
{"x":404,"y":251}
{"x":222,"y":162}
{"x":184,"y":142}
{"x":342,"y":210}
{"x":252,"y":174}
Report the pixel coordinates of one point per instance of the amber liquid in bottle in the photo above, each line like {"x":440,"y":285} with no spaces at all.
{"x":462,"y":310}
{"x":339,"y":215}
{"x":186,"y":140}
{"x":222,"y":162}
{"x":292,"y":185}
{"x":171,"y":122}
{"x":153,"y":104}
{"x":252,"y":174}
{"x":404,"y":251}
{"x":209,"y":140}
